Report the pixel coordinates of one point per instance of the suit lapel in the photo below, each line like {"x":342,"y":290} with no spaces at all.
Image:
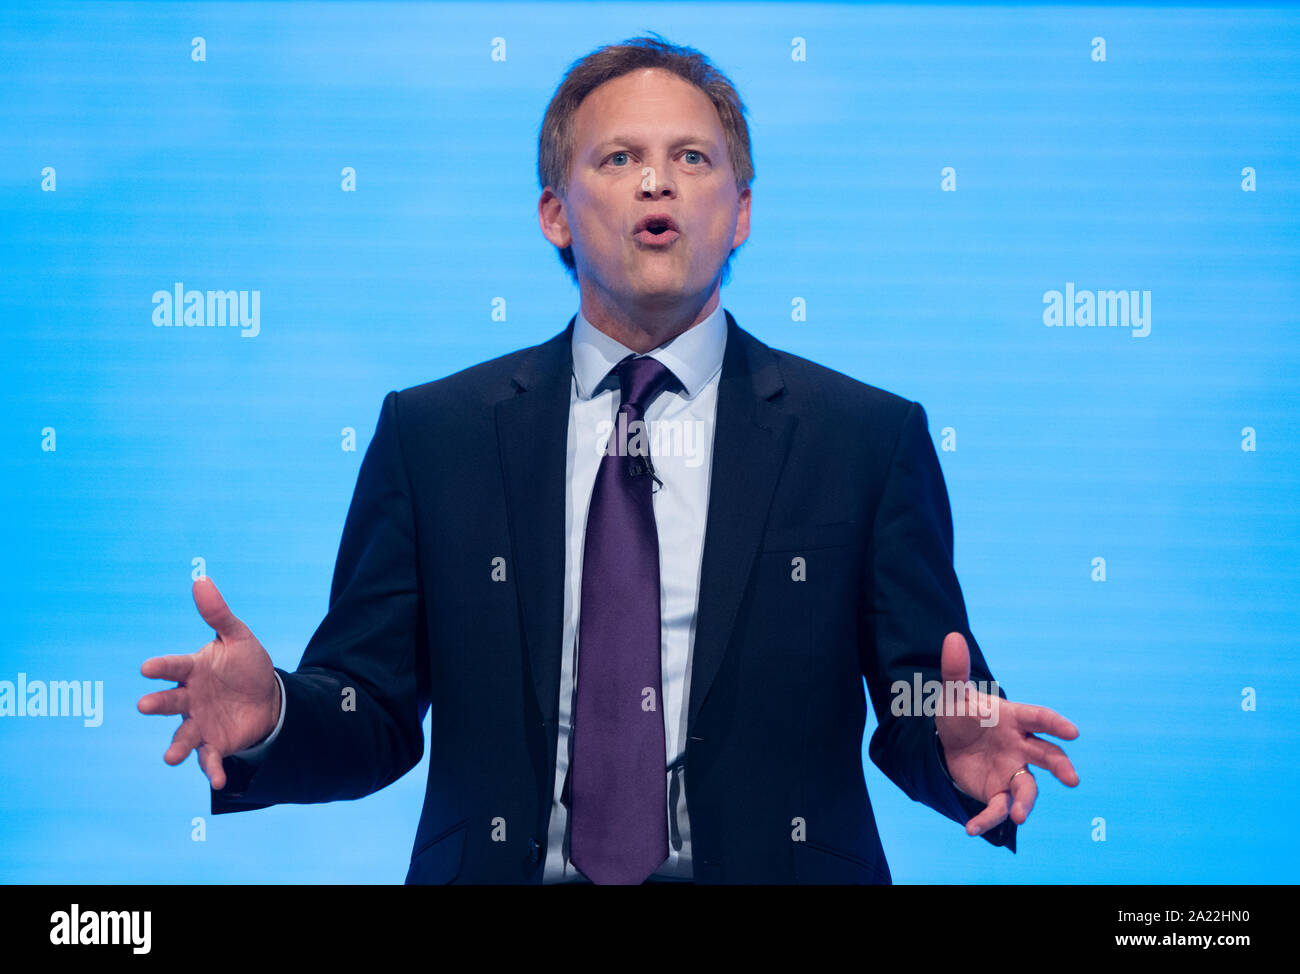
{"x":532,"y":431}
{"x":750,"y":438}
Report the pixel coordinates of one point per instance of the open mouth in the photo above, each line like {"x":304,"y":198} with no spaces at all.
{"x":656,"y":230}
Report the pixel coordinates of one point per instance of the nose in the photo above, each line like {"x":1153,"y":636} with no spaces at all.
{"x":658,"y":182}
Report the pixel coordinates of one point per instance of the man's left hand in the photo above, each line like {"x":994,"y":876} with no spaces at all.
{"x":987,"y":740}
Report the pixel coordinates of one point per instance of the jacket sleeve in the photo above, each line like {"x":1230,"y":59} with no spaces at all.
{"x":354,"y":708}
{"x":911,"y":601}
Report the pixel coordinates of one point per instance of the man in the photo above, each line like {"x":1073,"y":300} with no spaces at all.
{"x":641,"y":664}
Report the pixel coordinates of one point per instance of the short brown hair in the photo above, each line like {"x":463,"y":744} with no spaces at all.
{"x":555,"y":143}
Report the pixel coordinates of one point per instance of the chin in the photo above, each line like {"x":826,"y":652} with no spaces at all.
{"x":666,"y":288}
{"x":664,"y":272}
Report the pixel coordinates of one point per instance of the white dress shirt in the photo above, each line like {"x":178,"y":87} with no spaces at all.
{"x":680,"y":424}
{"x":681,"y":432}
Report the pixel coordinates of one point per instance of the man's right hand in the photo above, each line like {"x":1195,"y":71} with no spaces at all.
{"x":227,"y":691}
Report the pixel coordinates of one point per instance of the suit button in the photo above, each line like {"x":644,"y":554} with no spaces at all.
{"x":534,"y":851}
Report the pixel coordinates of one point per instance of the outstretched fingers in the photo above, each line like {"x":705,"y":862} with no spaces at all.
{"x":1024,"y":792}
{"x":212,"y":607}
{"x":1037,"y":719}
{"x":165,"y":702}
{"x":176,"y":668}
{"x":210,"y":762}
{"x":954,"y":659}
{"x":186,"y":739}
{"x":994,"y":813}
{"x":1047,"y":755}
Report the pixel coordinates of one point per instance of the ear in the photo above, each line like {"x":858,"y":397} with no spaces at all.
{"x":742,"y":220}
{"x":553,"y":219}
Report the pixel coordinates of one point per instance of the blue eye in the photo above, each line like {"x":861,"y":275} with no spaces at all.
{"x":692,"y":152}
{"x":616,"y":154}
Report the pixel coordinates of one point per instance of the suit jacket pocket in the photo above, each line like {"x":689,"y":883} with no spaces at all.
{"x":438,"y":860}
{"x":809,"y":537}
{"x":815,"y":863}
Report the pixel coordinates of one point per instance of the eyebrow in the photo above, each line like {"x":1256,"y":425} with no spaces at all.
{"x":633,"y":142}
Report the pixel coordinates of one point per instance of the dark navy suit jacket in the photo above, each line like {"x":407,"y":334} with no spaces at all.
{"x":807,"y":463}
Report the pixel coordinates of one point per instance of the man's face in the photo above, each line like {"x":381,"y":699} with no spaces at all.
{"x":648,"y":143}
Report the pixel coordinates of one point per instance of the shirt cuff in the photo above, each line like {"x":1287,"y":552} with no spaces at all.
{"x":257,"y":752}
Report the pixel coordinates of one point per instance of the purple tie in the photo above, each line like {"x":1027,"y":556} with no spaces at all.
{"x":617,"y":780}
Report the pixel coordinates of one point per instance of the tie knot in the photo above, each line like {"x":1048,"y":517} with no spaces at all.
{"x":641,"y":380}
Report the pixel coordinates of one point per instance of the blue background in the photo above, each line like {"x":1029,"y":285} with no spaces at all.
{"x":1072,"y":443}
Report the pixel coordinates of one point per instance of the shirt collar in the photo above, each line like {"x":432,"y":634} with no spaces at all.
{"x":694,"y":356}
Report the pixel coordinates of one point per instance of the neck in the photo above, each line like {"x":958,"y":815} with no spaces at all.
{"x":642,"y":328}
